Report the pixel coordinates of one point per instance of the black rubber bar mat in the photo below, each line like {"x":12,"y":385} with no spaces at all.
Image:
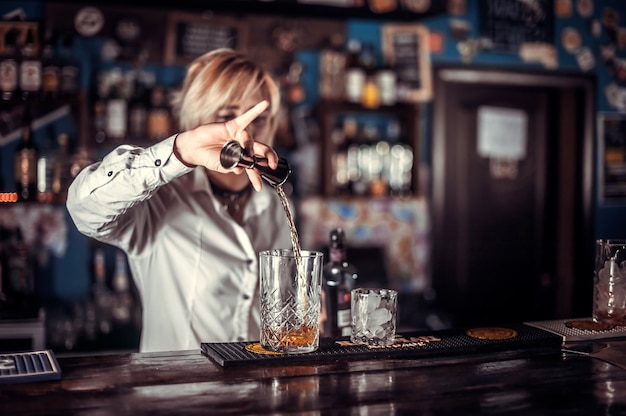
{"x":415,"y":344}
{"x":25,"y":367}
{"x":582,"y":329}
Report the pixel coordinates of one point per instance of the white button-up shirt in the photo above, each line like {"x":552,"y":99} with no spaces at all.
{"x":195,"y":268}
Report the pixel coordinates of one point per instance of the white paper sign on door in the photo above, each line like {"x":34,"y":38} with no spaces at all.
{"x":502,"y":133}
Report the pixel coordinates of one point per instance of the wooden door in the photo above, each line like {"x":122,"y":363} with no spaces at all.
{"x":499,"y":253}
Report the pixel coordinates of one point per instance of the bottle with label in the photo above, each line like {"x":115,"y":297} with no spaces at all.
{"x":332,"y":67}
{"x":9,"y":66}
{"x":138,"y":108}
{"x":159,"y":121}
{"x":99,"y":93}
{"x":69,"y":68}
{"x":61,"y":168}
{"x":370,"y":97}
{"x":102,"y":296}
{"x":50,"y":75}
{"x":123,"y":299}
{"x":26,"y":155}
{"x":339,"y":160}
{"x":45,"y":162}
{"x":30,"y":68}
{"x":355,"y":73}
{"x":116,"y":108}
{"x":340,"y":278}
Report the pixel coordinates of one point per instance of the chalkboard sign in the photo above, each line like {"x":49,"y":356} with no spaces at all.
{"x":406,"y":50}
{"x":510,"y":23}
{"x":190,"y":36}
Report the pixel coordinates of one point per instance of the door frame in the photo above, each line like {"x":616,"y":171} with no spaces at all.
{"x":575,"y":231}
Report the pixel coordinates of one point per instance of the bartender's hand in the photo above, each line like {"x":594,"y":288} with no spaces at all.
{"x":202,"y":145}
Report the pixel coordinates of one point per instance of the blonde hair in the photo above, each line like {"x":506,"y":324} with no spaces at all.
{"x":218,"y":78}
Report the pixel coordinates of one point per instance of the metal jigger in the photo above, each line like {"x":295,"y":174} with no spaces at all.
{"x":233,"y":155}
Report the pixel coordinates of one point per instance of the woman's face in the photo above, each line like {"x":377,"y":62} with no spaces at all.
{"x":260,"y":130}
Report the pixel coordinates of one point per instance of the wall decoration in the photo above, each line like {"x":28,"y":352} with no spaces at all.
{"x":191,"y":35}
{"x":89,"y":21}
{"x":406,"y":50}
{"x":382,"y":6}
{"x":457,"y":7}
{"x":571,"y":39}
{"x":544,"y":53}
{"x":586,"y":60}
{"x":584,"y":7}
{"x":563,"y":8}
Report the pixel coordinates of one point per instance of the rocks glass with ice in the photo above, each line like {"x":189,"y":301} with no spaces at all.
{"x":373,"y":316}
{"x":290,"y":300}
{"x":609,"y":284}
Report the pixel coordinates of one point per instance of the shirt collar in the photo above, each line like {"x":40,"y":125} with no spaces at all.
{"x":259,"y":201}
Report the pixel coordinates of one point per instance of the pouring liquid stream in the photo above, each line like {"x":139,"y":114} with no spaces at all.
{"x":303,"y":334}
{"x":233,"y":155}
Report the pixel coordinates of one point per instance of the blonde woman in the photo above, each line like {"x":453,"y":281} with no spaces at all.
{"x":191,"y":229}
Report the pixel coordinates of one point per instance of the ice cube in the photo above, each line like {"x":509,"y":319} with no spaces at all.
{"x":373,"y":301}
{"x":379,"y":317}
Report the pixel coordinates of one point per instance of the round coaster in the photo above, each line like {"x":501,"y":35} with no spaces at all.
{"x":258,"y":349}
{"x":589,"y":325}
{"x":492,"y":333}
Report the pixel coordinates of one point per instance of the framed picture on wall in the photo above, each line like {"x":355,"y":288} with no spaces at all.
{"x":406,"y":50}
{"x":191,"y":35}
{"x":612,"y":157}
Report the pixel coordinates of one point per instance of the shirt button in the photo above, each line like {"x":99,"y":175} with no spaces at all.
{"x":110,"y":173}
{"x":246,"y":297}
{"x":157,"y":162}
{"x":239,"y":339}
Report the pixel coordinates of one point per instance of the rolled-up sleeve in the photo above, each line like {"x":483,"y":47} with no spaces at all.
{"x":104,"y":191}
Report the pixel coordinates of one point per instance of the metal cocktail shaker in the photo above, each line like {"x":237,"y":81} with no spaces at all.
{"x":233,"y":155}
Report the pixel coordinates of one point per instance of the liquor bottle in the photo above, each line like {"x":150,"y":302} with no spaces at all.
{"x":122,"y":300}
{"x":25,"y":158}
{"x":370,"y":97}
{"x":386,"y":78}
{"x":61,"y":168}
{"x":69,"y":68}
{"x":50,"y":72}
{"x":116,"y":108}
{"x":9,"y":67}
{"x":99,"y":93}
{"x":355,"y":73}
{"x":159,"y":122}
{"x":339,"y":160}
{"x":332,"y":67}
{"x":30,"y":68}
{"x":353,"y":144}
{"x":138,"y":109}
{"x":340,"y":278}
{"x":45,"y":162}
{"x":102,"y":296}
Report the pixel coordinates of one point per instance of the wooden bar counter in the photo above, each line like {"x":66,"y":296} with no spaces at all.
{"x":188,"y":382}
